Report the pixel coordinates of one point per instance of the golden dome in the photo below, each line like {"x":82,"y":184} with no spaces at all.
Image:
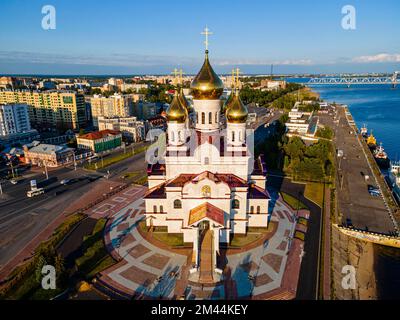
{"x":236,"y":111}
{"x":177,"y":111}
{"x":207,"y":85}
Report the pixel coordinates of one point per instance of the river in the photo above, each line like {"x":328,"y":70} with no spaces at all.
{"x":378,"y":107}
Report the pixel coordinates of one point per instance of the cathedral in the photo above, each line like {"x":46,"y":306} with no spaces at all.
{"x":209,"y":187}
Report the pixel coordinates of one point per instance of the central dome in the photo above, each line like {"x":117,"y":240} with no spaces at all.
{"x":207,"y":85}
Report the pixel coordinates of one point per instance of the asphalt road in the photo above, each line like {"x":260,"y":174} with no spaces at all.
{"x":22,"y":218}
{"x":355,"y":203}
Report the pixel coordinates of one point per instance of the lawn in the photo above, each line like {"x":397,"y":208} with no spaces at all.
{"x":95,"y":257}
{"x":109,"y":160}
{"x":293,"y":202}
{"x":315,"y":192}
{"x":253,"y":234}
{"x":161,"y":234}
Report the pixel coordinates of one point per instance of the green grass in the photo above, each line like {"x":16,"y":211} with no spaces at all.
{"x":243,"y":240}
{"x":95,"y":256}
{"x":314,"y":191}
{"x":161,"y":234}
{"x":293,"y":202}
{"x":107,"y":161}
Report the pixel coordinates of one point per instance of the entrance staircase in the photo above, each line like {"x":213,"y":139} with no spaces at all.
{"x":206,"y":257}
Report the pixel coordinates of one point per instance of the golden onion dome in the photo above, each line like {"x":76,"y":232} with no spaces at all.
{"x":177,"y":111}
{"x":236,"y":111}
{"x":207,"y":85}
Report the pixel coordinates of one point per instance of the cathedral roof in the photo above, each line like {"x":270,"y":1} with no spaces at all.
{"x":207,"y":85}
{"x":230,"y":179}
{"x":206,"y":210}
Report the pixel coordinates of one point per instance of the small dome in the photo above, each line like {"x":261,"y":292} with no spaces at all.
{"x":236,"y":111}
{"x":207,"y":85}
{"x":176,"y":111}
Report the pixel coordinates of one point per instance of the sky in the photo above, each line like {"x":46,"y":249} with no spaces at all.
{"x":140,"y":37}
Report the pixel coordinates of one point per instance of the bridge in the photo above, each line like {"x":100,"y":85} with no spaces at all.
{"x":348,"y":81}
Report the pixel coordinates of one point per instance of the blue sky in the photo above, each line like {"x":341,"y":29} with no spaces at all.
{"x":133,"y":37}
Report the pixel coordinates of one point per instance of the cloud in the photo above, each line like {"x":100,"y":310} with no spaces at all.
{"x":300,"y":62}
{"x":378,"y":58}
{"x":116,"y":60}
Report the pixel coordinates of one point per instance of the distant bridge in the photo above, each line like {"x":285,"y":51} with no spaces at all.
{"x":348,"y":81}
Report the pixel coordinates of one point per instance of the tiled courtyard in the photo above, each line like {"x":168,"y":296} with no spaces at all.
{"x":268,"y":269}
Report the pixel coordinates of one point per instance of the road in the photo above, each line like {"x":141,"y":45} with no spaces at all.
{"x":354,"y":201}
{"x":22,"y":218}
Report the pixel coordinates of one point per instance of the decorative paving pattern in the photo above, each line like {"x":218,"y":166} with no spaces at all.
{"x":151,"y":271}
{"x":157,"y":260}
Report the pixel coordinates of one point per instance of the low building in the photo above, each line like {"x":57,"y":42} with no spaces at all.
{"x":132,"y":129}
{"x":48,"y":155}
{"x":100,"y":141}
{"x":19,"y":138}
{"x":302,"y":123}
{"x":273,"y":84}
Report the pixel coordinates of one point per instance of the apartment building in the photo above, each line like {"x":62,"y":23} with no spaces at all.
{"x":53,"y":109}
{"x":116,"y":105}
{"x":14,"y":118}
{"x":131,"y":128}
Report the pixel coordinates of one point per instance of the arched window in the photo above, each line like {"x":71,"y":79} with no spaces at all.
{"x":233,"y":136}
{"x":155,"y":209}
{"x":203,"y":118}
{"x":177,"y":204}
{"x":210,"y":118}
{"x":206,"y":191}
{"x":179,"y":136}
{"x":206,"y":160}
{"x":258,"y":210}
{"x":172,"y":136}
{"x":197,"y":117}
{"x":161,"y":209}
{"x":252,"y":209}
{"x":216,"y":117}
{"x":235,"y":204}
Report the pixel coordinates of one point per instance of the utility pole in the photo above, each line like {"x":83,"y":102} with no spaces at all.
{"x":74,"y":161}
{"x":1,"y":188}
{"x":45,"y":168}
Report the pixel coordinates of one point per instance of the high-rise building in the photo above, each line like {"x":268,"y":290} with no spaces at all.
{"x":116,"y":105}
{"x":53,"y":109}
{"x":14,"y":118}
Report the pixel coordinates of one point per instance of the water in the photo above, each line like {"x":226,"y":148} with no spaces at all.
{"x":378,"y":107}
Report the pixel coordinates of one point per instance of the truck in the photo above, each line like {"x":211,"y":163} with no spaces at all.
{"x":34,"y":192}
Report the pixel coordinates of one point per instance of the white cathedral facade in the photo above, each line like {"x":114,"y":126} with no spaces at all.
{"x":210,"y":184}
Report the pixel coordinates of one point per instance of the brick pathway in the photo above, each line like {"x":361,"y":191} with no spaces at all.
{"x":267,"y":270}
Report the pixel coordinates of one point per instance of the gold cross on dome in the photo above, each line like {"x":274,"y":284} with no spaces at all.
{"x":181,"y":76}
{"x":175,"y":72}
{"x":206,"y":32}
{"x":237,"y":77}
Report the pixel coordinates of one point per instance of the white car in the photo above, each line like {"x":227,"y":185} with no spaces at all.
{"x":65,"y":181}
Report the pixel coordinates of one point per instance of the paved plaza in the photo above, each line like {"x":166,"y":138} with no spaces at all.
{"x":266,"y":269}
